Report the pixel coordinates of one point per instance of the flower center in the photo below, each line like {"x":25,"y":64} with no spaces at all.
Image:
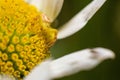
{"x":25,"y":38}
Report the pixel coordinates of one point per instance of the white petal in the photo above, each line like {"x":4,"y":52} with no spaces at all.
{"x":6,"y":77}
{"x":28,"y":1}
{"x":36,"y":3}
{"x":78,"y":61}
{"x":51,"y":8}
{"x":70,"y":64}
{"x":80,"y":20}
{"x":40,"y":72}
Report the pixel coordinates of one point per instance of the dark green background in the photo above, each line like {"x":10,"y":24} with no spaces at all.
{"x":103,"y":30}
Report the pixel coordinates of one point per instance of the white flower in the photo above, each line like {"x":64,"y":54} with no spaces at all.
{"x":76,"y":61}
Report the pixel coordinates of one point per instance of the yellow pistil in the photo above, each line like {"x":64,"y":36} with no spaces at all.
{"x":9,"y":64}
{"x":0,"y":54}
{"x":4,"y":57}
{"x":11,"y":48}
{"x":17,"y":74}
{"x":19,"y":48}
{"x":3,"y":46}
{"x":22,"y":68}
{"x":25,"y":38}
{"x":14,"y":56}
{"x":19,"y":62}
{"x":15,"y":40}
{"x":26,"y":73}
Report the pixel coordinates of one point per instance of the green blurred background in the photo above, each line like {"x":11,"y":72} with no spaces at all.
{"x":103,"y":30}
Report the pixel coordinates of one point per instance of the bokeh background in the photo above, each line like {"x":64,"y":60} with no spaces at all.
{"x":103,"y":30}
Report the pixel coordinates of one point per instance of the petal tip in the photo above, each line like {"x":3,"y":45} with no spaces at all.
{"x":105,"y":53}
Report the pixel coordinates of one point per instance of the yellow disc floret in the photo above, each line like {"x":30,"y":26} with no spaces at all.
{"x":25,"y":38}
{"x":4,"y":56}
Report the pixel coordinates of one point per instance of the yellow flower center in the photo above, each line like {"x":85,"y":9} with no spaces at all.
{"x":25,"y":38}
